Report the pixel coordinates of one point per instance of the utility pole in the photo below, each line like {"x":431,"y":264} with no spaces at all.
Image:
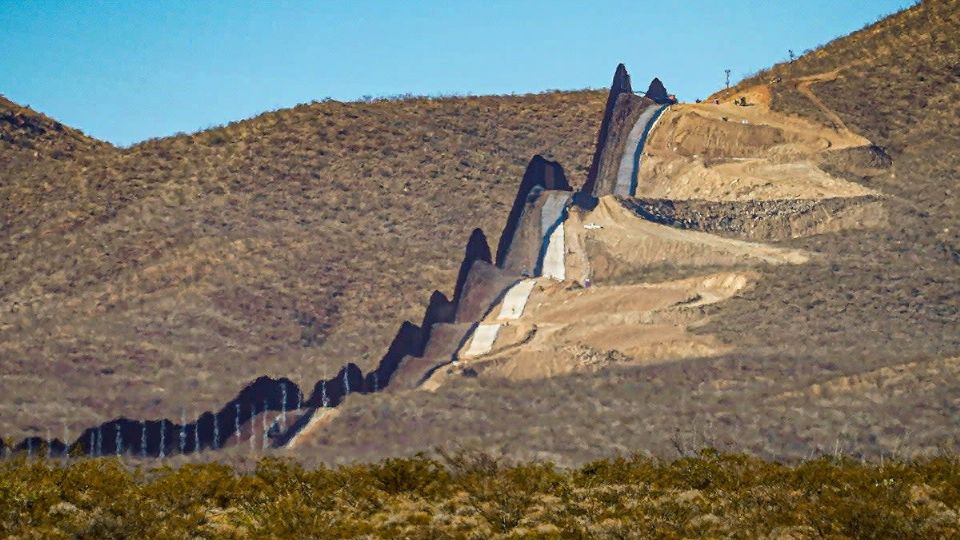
{"x":727,"y":71}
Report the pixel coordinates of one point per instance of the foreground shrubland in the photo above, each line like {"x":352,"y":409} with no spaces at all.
{"x":475,"y":496}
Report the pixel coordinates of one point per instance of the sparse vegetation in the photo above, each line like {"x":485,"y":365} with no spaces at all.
{"x":287,"y":245}
{"x":899,"y":85}
{"x":856,"y":351}
{"x":467,"y":495}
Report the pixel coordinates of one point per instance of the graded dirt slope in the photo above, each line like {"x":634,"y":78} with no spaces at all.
{"x":627,"y":325}
{"x":564,"y":327}
{"x":619,"y":244}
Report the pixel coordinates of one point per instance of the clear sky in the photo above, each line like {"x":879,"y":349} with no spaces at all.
{"x":127,"y":71}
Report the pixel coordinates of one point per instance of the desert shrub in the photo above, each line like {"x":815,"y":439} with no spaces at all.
{"x":419,"y":475}
{"x":472,"y":495}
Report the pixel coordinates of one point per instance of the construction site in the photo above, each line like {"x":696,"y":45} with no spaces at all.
{"x":682,"y":205}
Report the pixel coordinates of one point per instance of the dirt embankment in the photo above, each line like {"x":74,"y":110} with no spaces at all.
{"x":729,"y":152}
{"x":819,"y":365}
{"x":568,"y":329}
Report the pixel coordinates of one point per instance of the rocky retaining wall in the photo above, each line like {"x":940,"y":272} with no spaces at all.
{"x":761,"y":220}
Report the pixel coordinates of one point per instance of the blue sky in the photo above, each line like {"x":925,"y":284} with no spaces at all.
{"x":127,"y":71}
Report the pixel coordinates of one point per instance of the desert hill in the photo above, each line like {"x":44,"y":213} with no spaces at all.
{"x":852,"y":350}
{"x":896,"y":82}
{"x":140,"y":281}
{"x":23,"y":129}
{"x":773,"y":270}
{"x":41,"y":162}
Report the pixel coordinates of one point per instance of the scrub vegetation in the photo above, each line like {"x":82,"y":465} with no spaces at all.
{"x":291,"y":243}
{"x":891,"y":292}
{"x":475,"y":496}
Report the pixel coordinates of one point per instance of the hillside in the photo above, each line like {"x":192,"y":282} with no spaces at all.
{"x":853,"y":351}
{"x":773,"y":271}
{"x":42,"y":168}
{"x":896,"y":82}
{"x":166,"y":276}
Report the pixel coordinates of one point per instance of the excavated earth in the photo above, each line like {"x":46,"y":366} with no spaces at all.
{"x":763,"y":220}
{"x":727,"y":152}
{"x":714,"y":181}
